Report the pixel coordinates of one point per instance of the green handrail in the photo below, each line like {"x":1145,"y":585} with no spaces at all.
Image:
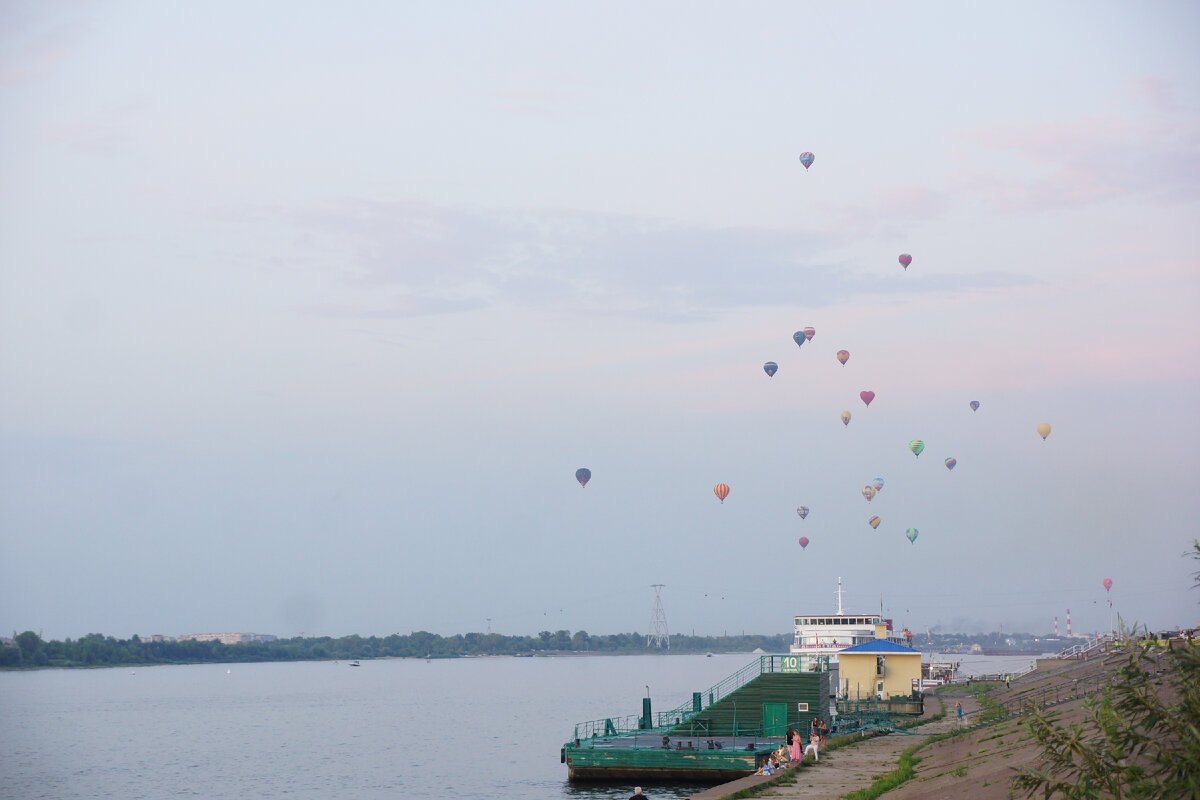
{"x":664,"y":720}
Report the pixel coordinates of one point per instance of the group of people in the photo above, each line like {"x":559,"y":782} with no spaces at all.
{"x":819,"y":730}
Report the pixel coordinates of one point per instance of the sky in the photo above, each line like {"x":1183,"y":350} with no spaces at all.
{"x":308,"y":315}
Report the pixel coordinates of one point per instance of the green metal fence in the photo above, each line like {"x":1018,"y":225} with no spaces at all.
{"x":663,"y":720}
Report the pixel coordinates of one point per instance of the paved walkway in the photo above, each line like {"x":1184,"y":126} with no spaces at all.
{"x":850,"y":767}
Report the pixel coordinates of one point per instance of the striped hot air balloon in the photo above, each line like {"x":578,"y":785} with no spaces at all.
{"x":721,"y":490}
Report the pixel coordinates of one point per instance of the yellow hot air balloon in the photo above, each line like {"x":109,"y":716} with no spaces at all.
{"x":845,"y":417}
{"x":1044,"y":430}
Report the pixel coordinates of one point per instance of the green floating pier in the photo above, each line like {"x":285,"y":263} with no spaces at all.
{"x":724,"y":733}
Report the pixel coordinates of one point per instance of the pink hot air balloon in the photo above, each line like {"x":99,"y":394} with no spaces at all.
{"x":867,"y":397}
{"x":803,"y":542}
{"x":1107,"y":584}
{"x":809,"y":332}
{"x":905,"y":260}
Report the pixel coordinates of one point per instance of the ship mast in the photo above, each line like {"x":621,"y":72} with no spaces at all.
{"x":839,"y":595}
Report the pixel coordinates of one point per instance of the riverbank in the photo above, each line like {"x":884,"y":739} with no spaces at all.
{"x":978,"y":762}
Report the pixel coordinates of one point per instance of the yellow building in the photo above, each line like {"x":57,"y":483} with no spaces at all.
{"x":878,"y":669}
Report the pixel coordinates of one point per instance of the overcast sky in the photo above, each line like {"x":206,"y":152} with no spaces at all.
{"x":309,"y":315}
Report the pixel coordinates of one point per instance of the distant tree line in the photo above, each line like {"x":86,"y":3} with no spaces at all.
{"x":98,"y":650}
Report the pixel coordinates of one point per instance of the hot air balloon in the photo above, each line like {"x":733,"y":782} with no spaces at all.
{"x":950,"y":462}
{"x":916,"y":445}
{"x":807,"y":160}
{"x":770,"y":368}
{"x":802,"y":511}
{"x":803,"y":542}
{"x":843,"y":356}
{"x":868,"y":492}
{"x":874,"y":522}
{"x":878,"y":484}
{"x":974,"y":405}
{"x":1107,"y":584}
{"x":866,"y":397}
{"x":905,"y":260}
{"x":911,"y":533}
{"x":809,"y":332}
{"x":1044,"y":430}
{"x":583,"y":475}
{"x":845,"y":417}
{"x":721,"y":490}
{"x":798,"y":338}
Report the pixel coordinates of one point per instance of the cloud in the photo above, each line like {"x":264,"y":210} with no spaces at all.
{"x":1081,"y":162}
{"x":434,"y":260}
{"x":30,"y":45}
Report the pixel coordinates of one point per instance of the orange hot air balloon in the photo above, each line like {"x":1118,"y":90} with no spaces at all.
{"x":843,"y":356}
{"x":721,"y":490}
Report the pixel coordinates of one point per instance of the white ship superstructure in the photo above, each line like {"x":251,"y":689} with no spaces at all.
{"x":819,"y":637}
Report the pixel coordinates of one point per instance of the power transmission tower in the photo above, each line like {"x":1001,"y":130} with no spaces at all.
{"x":658,"y":634}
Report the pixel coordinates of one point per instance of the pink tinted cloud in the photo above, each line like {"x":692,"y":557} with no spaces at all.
{"x":1082,"y":161}
{"x":25,"y":60}
{"x":1154,"y":92}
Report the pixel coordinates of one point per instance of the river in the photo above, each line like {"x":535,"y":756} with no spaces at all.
{"x":463,"y":728}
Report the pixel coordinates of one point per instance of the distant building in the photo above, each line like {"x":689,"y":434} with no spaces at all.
{"x":228,"y":638}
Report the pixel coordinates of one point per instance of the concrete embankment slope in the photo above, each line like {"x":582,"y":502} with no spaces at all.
{"x":977,"y":764}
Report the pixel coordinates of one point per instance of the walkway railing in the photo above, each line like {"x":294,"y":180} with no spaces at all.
{"x":1089,"y":648}
{"x":662,"y":720}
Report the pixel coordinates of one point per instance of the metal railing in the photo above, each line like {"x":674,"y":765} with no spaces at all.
{"x":663,"y":720}
{"x":1088,"y":648}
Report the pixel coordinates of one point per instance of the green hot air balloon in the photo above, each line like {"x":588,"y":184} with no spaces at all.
{"x":916,"y":445}
{"x":911,"y":533}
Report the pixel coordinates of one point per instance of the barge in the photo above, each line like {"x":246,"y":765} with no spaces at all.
{"x":724,"y":733}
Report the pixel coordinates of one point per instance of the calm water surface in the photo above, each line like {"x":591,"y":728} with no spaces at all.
{"x":469,"y":728}
{"x":486,"y":728}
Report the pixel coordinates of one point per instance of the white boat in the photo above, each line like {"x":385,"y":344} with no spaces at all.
{"x":820,"y":637}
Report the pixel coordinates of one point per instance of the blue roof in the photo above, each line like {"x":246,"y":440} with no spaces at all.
{"x":879,"y":646}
